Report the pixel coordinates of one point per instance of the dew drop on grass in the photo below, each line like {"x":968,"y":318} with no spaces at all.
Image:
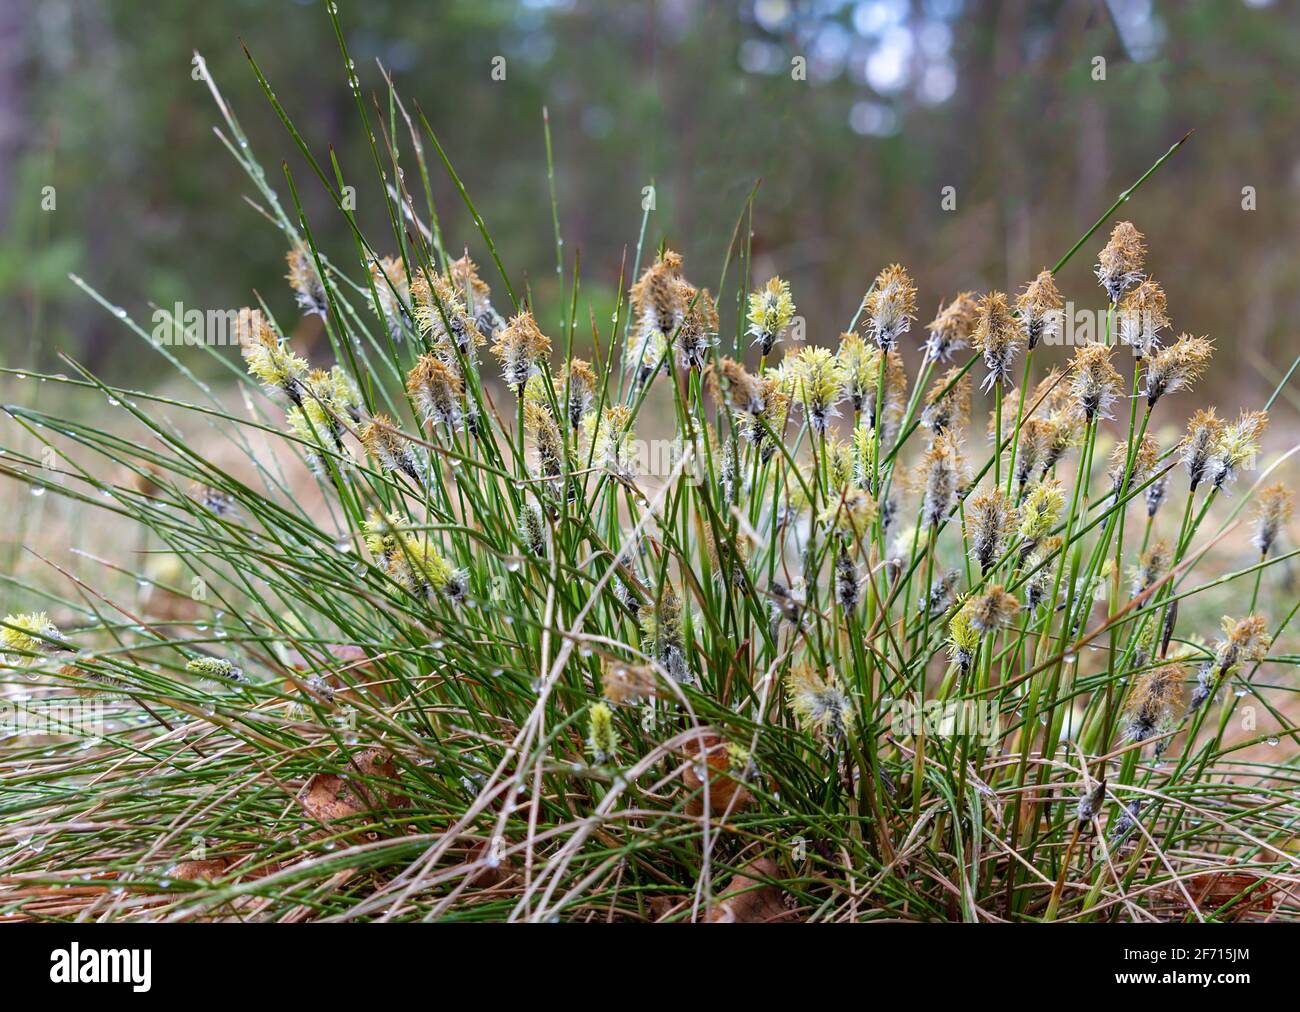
{"x":38,"y":490}
{"x":1271,"y":741}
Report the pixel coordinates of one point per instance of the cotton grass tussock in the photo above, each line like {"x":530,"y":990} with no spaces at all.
{"x":490,"y":629}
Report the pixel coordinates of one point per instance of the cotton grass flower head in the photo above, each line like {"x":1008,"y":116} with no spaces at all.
{"x":818,"y":385}
{"x":993,"y":609}
{"x":1095,"y":382}
{"x":698,"y":331}
{"x":548,"y":444}
{"x":610,"y":437}
{"x":951,"y":330}
{"x":1152,"y":565}
{"x":1141,"y":316}
{"x":411,"y":559}
{"x":268,"y":358}
{"x":305,"y":281}
{"x":1154,"y":703}
{"x":532,"y":528}
{"x":1039,"y":307}
{"x":577,"y":377}
{"x":1120,"y":265}
{"x":520,"y":347}
{"x":963,"y":636}
{"x":386,"y":445}
{"x":947,"y":402}
{"x":770,"y":311}
{"x":1273,"y":511}
{"x":1243,"y":641}
{"x":658,"y":301}
{"x":29,"y":636}
{"x":1204,"y":429}
{"x":820,"y":704}
{"x":662,"y":635}
{"x":889,"y":307}
{"x":218,"y":669}
{"x":1039,"y":578}
{"x":859,"y":363}
{"x":997,"y":338}
{"x":437,"y":390}
{"x":1035,"y":442}
{"x":1145,"y":458}
{"x":476,"y":297}
{"x":761,"y":403}
{"x":392,"y":294}
{"x":990,"y":519}
{"x":940,"y":477}
{"x":1176,"y":367}
{"x":1237,"y":447}
{"x":942,"y":593}
{"x":1040,"y":510}
{"x":602,"y":738}
{"x":441,"y":315}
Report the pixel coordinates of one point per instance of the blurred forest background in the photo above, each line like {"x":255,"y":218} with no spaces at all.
{"x":901,"y":99}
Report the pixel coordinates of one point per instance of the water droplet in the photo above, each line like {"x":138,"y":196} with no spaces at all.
{"x":1271,"y":741}
{"x":38,"y":490}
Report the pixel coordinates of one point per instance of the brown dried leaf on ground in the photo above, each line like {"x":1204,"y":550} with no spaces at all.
{"x":748,"y":900}
{"x":329,"y":798}
{"x":723,"y":787}
{"x":195,"y":871}
{"x":1214,"y":889}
